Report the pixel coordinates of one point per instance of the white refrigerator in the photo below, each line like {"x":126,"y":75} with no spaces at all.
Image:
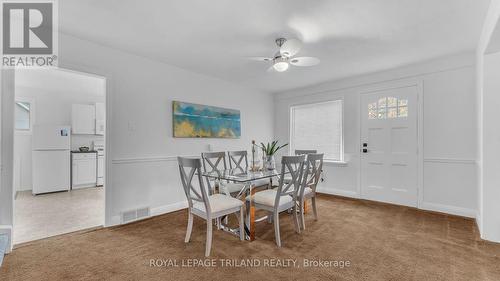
{"x":51,"y":158}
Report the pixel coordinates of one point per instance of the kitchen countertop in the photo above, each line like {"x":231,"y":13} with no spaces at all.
{"x":78,"y":151}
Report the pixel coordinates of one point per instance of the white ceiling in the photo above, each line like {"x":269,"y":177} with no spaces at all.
{"x":215,"y":37}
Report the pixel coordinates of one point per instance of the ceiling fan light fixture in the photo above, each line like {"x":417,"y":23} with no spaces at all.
{"x":281,"y":66}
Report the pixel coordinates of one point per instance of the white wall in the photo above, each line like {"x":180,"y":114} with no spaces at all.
{"x":449,"y":129}
{"x":6,"y":152}
{"x":52,"y":96}
{"x":487,"y":74}
{"x":491,"y":148}
{"x":143,"y":168}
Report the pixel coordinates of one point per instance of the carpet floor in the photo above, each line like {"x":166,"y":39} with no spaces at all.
{"x":361,"y":240}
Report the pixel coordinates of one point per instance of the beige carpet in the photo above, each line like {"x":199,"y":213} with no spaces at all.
{"x":381,"y":242}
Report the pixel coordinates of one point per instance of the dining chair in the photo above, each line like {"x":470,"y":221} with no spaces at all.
{"x":301,"y":152}
{"x":216,"y":161}
{"x":284,"y":197}
{"x":203,"y":205}
{"x":238,"y":160}
{"x":213,"y":162}
{"x":310,"y":179}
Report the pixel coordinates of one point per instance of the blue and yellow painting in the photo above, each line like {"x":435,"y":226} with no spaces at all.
{"x":203,"y":121}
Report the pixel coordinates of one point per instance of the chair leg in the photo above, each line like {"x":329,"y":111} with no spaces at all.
{"x":247,"y":211}
{"x":209,"y":238}
{"x":302,"y":219}
{"x":189,"y":227}
{"x":277,"y":228}
{"x":242,"y":223}
{"x":269,"y":217}
{"x":314,"y":208}
{"x":218,"y":223}
{"x":296,"y":219}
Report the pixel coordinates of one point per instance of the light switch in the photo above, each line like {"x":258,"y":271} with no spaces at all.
{"x":131,"y":126}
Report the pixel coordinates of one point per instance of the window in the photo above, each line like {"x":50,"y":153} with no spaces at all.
{"x":23,"y":115}
{"x":318,"y":126}
{"x":388,"y":108}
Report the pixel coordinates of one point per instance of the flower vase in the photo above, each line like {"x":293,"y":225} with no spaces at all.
{"x":269,"y":162}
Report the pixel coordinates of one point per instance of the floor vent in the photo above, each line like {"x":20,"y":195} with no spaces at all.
{"x":134,"y":215}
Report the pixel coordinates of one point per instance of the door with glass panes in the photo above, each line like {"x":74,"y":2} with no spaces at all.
{"x":389,"y":152}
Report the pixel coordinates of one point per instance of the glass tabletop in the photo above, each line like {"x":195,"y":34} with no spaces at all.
{"x":241,"y":175}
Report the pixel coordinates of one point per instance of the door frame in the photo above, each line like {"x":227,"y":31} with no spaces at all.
{"x":419,"y":85}
{"x":90,"y":71}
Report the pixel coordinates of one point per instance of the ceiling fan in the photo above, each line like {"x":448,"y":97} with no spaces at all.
{"x":284,"y":57}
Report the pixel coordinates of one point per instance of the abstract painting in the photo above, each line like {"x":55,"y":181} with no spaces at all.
{"x":203,"y":121}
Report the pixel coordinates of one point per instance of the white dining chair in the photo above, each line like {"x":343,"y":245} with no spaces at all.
{"x":216,"y":161}
{"x":284,"y":197}
{"x":203,"y":205}
{"x":238,"y":161}
{"x":310,"y":180}
{"x":301,"y":152}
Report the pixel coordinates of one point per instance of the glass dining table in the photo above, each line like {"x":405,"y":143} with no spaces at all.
{"x":248,"y":179}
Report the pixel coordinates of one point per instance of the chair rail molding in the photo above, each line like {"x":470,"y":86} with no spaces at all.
{"x":146,"y":159}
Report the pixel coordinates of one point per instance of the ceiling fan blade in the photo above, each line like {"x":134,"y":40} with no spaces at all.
{"x":304,"y":61}
{"x":290,"y":47}
{"x":260,"y":58}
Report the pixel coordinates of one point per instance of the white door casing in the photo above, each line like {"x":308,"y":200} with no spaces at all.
{"x":389,"y":167}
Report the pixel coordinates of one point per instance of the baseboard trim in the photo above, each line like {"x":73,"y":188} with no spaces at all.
{"x":339,"y":192}
{"x":156,"y":211}
{"x":478,"y":222}
{"x":165,"y":209}
{"x":450,"y":161}
{"x":7,"y":229}
{"x":435,"y":207}
{"x":453,"y":210}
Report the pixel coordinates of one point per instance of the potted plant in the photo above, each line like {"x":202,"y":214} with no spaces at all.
{"x":269,"y":151}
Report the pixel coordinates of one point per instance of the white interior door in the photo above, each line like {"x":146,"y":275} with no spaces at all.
{"x":389,"y":146}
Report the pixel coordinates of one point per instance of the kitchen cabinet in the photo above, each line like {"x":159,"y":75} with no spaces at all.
{"x":83,"y":118}
{"x":83,"y":169}
{"x":100,"y":118}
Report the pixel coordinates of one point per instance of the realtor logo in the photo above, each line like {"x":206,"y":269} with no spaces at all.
{"x":29,"y":34}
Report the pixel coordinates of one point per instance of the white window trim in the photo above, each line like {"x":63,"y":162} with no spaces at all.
{"x":31,"y":101}
{"x":291,"y":148}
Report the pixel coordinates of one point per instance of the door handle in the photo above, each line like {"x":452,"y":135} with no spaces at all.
{"x":365,"y":147}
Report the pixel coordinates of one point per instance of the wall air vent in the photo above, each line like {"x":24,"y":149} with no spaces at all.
{"x":134,"y":215}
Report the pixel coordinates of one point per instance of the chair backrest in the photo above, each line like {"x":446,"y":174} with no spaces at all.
{"x":312,"y":172}
{"x":238,"y":160}
{"x":305,"y":151}
{"x":294,"y":165}
{"x":213,"y":162}
{"x":194,"y":167}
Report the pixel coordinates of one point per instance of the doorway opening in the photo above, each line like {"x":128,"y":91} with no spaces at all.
{"x":59,"y":137}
